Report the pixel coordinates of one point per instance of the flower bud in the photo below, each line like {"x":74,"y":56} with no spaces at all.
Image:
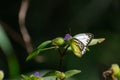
{"x":60,"y":75}
{"x":36,"y":74}
{"x":58,"y":41}
{"x":1,"y":75}
{"x":115,"y":68}
{"x":118,"y":75}
{"x":67,"y":36}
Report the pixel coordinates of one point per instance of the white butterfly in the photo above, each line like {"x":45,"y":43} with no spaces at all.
{"x":80,"y":43}
{"x":85,"y":38}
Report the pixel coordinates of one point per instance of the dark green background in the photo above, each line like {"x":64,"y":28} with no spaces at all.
{"x":47,"y":19}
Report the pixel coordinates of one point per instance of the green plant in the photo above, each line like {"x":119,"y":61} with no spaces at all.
{"x":7,"y":48}
{"x":113,"y":72}
{"x":78,"y":44}
{"x":1,"y":75}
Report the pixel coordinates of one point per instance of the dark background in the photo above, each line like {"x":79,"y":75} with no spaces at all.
{"x":47,"y":19}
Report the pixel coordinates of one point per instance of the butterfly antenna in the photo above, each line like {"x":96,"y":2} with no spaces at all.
{"x":69,"y":30}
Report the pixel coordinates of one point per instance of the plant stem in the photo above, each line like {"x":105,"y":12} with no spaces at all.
{"x":62,"y":54}
{"x":60,"y":63}
{"x":60,"y":59}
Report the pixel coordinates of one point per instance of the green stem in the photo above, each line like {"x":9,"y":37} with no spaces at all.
{"x":65,"y":50}
{"x":60,"y":59}
{"x":62,"y":54}
{"x":60,"y":63}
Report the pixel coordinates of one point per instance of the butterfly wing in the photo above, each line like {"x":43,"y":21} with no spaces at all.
{"x":85,"y":39}
{"x":77,"y":47}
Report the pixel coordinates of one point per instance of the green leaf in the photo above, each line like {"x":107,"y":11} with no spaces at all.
{"x":8,"y":50}
{"x":44,"y":44}
{"x":25,"y":77}
{"x":96,"y":41}
{"x":40,"y":48}
{"x":50,"y":78}
{"x":50,"y":73}
{"x":71,"y":73}
{"x":31,"y":77}
{"x":56,"y":74}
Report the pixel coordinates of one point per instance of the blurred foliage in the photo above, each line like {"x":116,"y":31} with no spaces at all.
{"x":53,"y":75}
{"x":113,"y":72}
{"x":7,"y":48}
{"x":47,"y":19}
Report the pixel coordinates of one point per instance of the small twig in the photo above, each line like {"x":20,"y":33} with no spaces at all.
{"x":23,"y":29}
{"x":107,"y":73}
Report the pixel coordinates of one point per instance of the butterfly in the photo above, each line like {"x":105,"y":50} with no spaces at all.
{"x":79,"y":43}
